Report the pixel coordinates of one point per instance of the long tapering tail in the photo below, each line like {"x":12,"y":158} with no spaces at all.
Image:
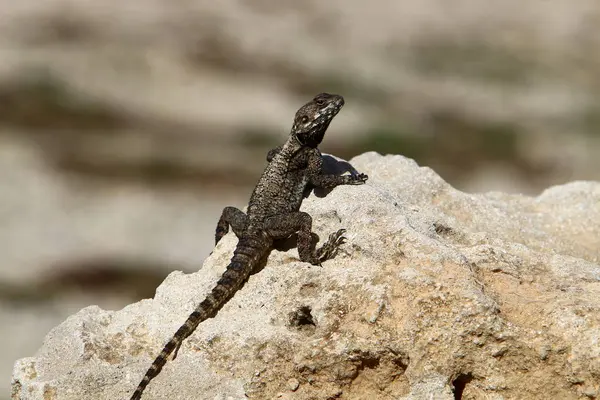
{"x":245,"y":258}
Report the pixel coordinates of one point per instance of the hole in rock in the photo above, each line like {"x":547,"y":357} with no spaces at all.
{"x":460,"y":383}
{"x":302,"y":317}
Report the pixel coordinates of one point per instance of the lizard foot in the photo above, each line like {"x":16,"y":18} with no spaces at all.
{"x":358,"y":179}
{"x":330,"y":247}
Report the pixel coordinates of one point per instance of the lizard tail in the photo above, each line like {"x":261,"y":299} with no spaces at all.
{"x":246,"y":256}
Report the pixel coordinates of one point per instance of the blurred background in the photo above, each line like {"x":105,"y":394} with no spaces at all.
{"x":126,"y":126}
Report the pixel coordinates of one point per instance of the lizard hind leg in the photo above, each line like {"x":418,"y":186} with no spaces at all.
{"x":284,"y":225}
{"x":233,"y":217}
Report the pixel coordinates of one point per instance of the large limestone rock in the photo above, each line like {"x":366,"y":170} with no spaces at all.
{"x":437,"y":294}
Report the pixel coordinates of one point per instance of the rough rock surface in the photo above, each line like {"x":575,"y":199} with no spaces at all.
{"x":437,"y":294}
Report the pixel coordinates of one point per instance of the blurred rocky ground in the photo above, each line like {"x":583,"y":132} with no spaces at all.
{"x":125,"y":127}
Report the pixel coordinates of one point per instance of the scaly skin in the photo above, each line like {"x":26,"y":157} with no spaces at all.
{"x":273,"y":213}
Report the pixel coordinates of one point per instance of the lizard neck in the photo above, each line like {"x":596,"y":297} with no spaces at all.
{"x":292,"y":145}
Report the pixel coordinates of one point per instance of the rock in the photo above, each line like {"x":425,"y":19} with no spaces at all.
{"x":437,"y":294}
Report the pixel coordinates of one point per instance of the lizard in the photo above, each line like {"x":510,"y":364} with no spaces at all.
{"x":273,"y":213}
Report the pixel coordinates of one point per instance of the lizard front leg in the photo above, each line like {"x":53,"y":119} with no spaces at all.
{"x":328,"y":181}
{"x":284,"y":225}
{"x":233,"y":217}
{"x":331,"y":181}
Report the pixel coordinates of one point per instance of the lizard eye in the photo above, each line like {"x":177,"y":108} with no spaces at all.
{"x":320,"y":102}
{"x":304,"y":119}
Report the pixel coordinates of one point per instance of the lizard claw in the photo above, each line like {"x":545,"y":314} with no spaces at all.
{"x":359,"y":179}
{"x":329,"y":248}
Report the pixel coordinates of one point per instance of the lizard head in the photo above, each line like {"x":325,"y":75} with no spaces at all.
{"x":313,"y":118}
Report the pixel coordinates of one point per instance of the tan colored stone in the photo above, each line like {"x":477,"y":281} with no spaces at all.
{"x":494,"y":295}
